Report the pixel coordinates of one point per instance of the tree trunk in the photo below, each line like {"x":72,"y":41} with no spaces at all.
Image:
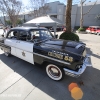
{"x":81,"y":19}
{"x":68,"y":16}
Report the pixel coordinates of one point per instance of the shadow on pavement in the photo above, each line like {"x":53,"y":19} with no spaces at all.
{"x":89,"y":82}
{"x":82,"y":40}
{"x":92,"y":54}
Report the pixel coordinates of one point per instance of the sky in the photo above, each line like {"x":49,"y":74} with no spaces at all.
{"x":62,"y":1}
{"x":26,"y":1}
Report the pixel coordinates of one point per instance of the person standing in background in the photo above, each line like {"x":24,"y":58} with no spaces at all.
{"x":4,"y":31}
{"x":11,"y":26}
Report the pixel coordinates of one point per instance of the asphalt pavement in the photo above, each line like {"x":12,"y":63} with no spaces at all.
{"x":20,"y":80}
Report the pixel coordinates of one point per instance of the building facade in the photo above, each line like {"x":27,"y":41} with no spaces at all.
{"x":58,"y":9}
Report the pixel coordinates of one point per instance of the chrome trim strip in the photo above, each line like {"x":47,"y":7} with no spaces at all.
{"x":63,"y":62}
{"x":78,"y":46}
{"x":19,"y":49}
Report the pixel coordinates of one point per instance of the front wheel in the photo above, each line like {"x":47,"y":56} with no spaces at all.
{"x":98,"y":34}
{"x":54,"y":72}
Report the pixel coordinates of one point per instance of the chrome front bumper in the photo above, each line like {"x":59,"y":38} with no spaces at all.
{"x":86,"y":63}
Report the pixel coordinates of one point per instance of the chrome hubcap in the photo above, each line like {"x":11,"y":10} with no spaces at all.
{"x":53,"y":71}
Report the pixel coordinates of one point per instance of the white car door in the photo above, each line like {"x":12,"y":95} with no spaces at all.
{"x":11,"y":41}
{"x":24,"y":49}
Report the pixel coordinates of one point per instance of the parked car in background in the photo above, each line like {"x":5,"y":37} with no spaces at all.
{"x":88,"y":30}
{"x":97,"y":31}
{"x":93,"y":29}
{"x":57,"y":29}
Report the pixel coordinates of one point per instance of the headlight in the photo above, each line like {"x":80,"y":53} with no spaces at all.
{"x":78,"y":66}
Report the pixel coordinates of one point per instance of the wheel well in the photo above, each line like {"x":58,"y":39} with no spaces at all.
{"x":45,"y":63}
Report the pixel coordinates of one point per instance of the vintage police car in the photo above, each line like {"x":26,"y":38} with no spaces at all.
{"x":38,"y":45}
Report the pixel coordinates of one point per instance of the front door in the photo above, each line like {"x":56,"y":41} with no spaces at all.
{"x":11,"y":41}
{"x":24,"y":49}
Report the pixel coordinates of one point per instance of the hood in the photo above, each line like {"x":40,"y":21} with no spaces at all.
{"x":60,"y":42}
{"x":64,"y":46}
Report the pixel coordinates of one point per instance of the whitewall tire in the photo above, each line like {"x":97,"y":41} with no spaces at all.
{"x":54,"y":72}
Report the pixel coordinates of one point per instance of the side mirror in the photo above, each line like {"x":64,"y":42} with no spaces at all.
{"x":56,"y":36}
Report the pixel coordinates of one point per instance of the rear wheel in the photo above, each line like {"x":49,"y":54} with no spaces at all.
{"x":98,"y":34}
{"x":54,"y":72}
{"x":7,"y":53}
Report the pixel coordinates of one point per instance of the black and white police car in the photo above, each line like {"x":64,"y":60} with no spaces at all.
{"x":38,"y":45}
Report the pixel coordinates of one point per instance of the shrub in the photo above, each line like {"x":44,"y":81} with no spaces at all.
{"x":69,"y":36}
{"x":81,"y":29}
{"x":77,"y":27}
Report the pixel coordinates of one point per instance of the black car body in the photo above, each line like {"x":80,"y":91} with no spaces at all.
{"x":38,"y":45}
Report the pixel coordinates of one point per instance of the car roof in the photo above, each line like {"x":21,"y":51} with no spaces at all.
{"x":26,"y":28}
{"x":94,"y":26}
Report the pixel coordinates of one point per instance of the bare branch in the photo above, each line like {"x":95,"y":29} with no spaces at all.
{"x":98,"y":17}
{"x":84,"y":1}
{"x":11,"y":8}
{"x":39,"y":7}
{"x":90,"y":8}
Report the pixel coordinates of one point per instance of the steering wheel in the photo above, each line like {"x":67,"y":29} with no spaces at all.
{"x":34,"y":36}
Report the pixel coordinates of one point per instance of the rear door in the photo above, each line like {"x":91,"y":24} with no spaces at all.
{"x":24,"y":48}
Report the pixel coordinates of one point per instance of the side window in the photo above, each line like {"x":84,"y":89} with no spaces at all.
{"x":12,"y":34}
{"x":24,"y":36}
{"x":35,"y":34}
{"x":45,"y":33}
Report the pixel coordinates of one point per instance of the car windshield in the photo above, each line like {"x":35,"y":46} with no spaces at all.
{"x":41,"y":34}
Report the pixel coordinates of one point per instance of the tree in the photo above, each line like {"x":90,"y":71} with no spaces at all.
{"x":8,"y":22}
{"x":82,"y":14}
{"x":39,"y":7}
{"x":12,"y":9}
{"x":68,"y":16}
{"x":18,"y":22}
